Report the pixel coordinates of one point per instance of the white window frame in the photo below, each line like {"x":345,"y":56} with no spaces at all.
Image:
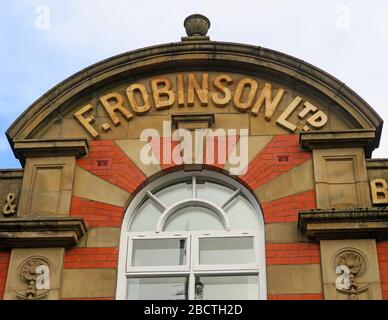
{"x":192,"y":268}
{"x":152,"y":236}
{"x":229,"y":267}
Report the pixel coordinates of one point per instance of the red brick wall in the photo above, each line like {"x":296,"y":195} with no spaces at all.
{"x":287,"y":209}
{"x":97,"y":214}
{"x":91,"y":258}
{"x":270,"y":162}
{"x":225,"y":144}
{"x":382,"y":253}
{"x":292,"y":253}
{"x":117,"y":168}
{"x":4,"y":263}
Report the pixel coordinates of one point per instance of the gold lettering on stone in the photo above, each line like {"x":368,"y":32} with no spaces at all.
{"x":220,"y":87}
{"x":181,"y":91}
{"x":117,"y":105}
{"x":282,"y":120}
{"x":86,"y":122}
{"x":308,"y":107}
{"x":202,"y":91}
{"x":270,"y":105}
{"x":379,"y":189}
{"x":106,"y":127}
{"x":252,"y":88}
{"x":139,"y":109}
{"x":164,"y":91}
{"x":10,"y":206}
{"x":189,"y":89}
{"x":318,"y":120}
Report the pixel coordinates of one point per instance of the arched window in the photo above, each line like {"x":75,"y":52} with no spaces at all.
{"x":192,"y":235}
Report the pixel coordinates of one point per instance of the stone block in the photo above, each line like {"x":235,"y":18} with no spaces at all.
{"x":88,"y":283}
{"x":89,"y":186}
{"x":283,"y":233}
{"x":16,"y":283}
{"x":103,"y":238}
{"x":296,"y":180}
{"x":360,"y":256}
{"x":47,"y":186}
{"x":294,"y":279}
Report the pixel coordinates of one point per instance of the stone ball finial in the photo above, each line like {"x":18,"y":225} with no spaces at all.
{"x":197,"y":25}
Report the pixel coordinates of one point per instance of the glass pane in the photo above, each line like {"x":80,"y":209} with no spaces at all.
{"x":159,"y":252}
{"x":146,"y":218}
{"x":227,"y":288}
{"x":175,"y":193}
{"x":194,"y":219}
{"x":242,"y":215}
{"x":215,"y":193}
{"x":226,"y":251}
{"x":172,"y":288}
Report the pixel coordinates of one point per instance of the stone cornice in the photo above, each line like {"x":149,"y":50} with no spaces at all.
{"x":48,"y":148}
{"x":11,"y":173}
{"x":357,"y":223}
{"x":41,"y":232}
{"x":339,"y":139}
{"x":377,"y":163}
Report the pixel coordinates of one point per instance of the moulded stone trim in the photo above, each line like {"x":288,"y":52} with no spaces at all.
{"x":47,"y":148}
{"x":338,"y":139}
{"x":357,"y":223}
{"x":41,"y":232}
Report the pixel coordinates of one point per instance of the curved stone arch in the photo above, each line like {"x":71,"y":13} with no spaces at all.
{"x":205,"y":54}
{"x":175,"y":175}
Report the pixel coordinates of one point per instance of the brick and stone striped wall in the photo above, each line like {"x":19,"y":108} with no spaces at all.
{"x":114,"y":174}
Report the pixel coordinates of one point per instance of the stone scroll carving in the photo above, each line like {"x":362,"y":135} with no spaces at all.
{"x":350,"y":265}
{"x":35,"y":272}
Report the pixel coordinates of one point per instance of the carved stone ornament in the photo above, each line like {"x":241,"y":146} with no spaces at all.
{"x":10,"y":206}
{"x":36,"y":273}
{"x":350,"y":265}
{"x":197,"y":25}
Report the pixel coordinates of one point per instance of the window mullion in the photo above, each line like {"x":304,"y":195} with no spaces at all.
{"x":157,"y":202}
{"x":194,"y":183}
{"x":191,"y":286}
{"x":231,"y":198}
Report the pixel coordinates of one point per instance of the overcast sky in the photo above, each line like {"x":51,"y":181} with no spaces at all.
{"x":43,"y":42}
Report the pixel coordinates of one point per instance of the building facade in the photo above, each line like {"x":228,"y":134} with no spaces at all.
{"x":196,"y":170}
